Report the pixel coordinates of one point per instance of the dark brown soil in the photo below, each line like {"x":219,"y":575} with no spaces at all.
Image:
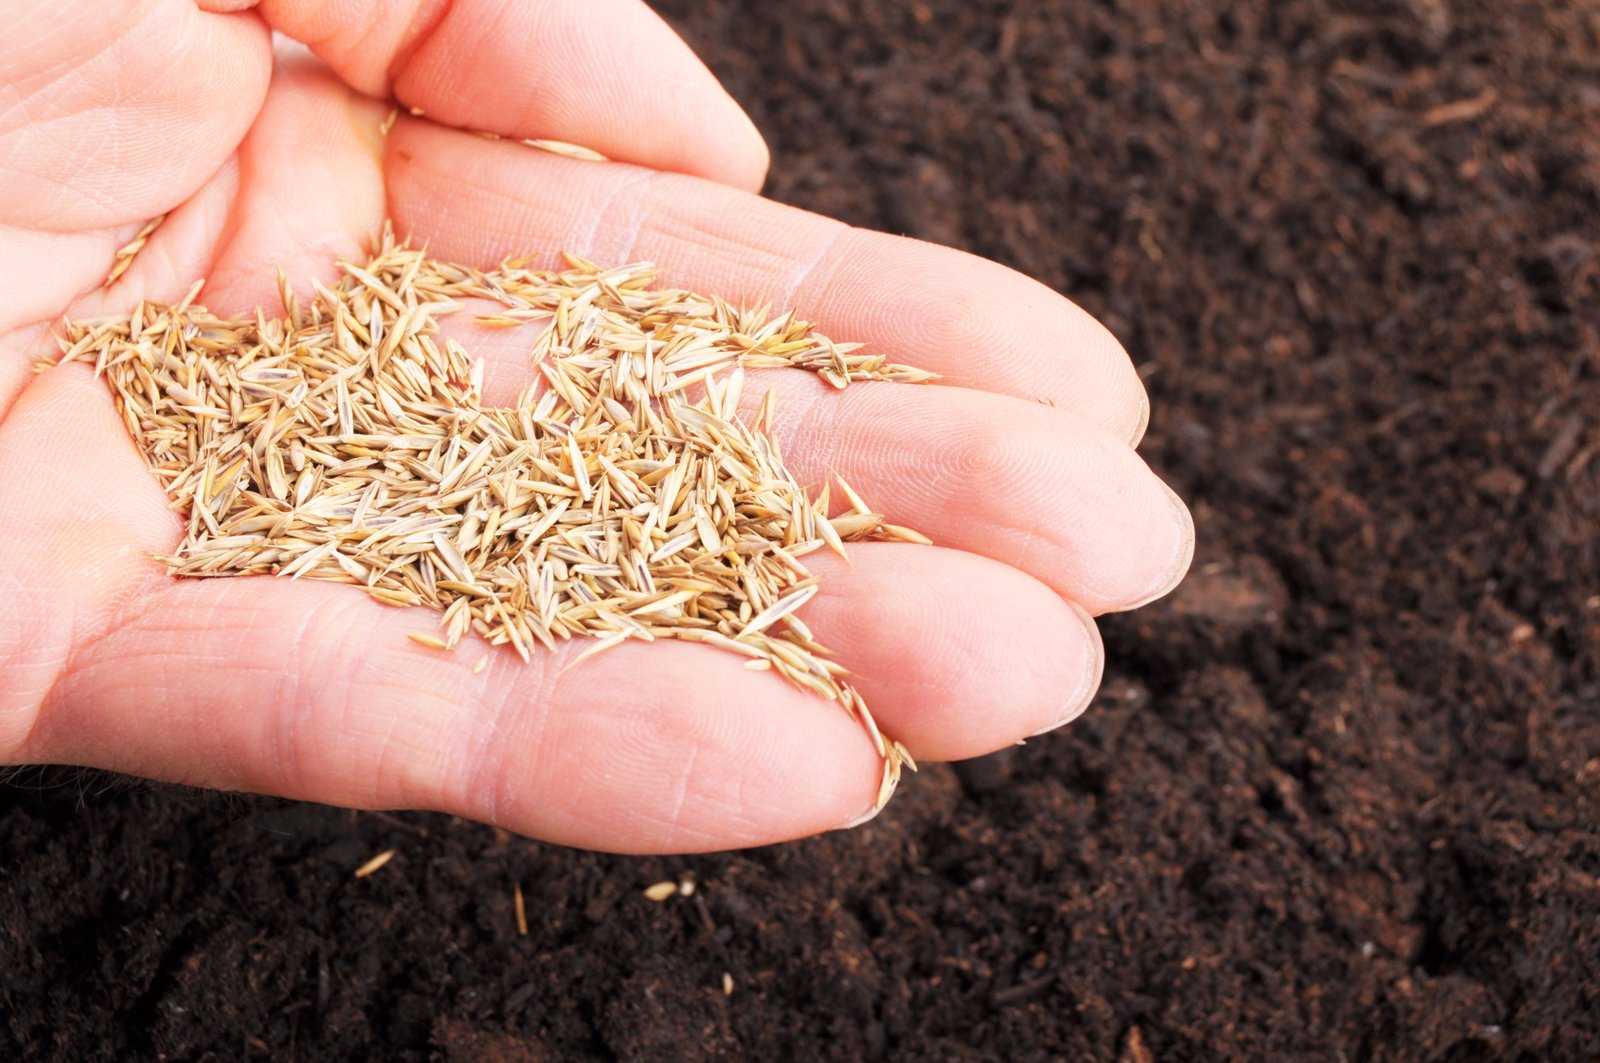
{"x":1340,"y":799}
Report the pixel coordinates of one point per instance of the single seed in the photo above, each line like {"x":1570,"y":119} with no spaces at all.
{"x":375,"y":863}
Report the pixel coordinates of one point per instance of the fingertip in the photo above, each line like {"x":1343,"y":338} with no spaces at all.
{"x":1181,"y":532}
{"x":754,"y":157}
{"x":1089,"y":675}
{"x":1142,"y":423}
{"x":1124,"y":404}
{"x":676,"y":764}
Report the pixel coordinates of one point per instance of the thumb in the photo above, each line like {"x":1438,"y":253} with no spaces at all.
{"x":115,"y":112}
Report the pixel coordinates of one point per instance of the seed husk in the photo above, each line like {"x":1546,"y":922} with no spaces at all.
{"x":374,"y":864}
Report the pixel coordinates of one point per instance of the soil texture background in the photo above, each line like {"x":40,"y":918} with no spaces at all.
{"x":1340,"y":796}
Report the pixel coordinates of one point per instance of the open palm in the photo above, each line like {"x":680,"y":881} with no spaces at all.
{"x":1019,"y":464}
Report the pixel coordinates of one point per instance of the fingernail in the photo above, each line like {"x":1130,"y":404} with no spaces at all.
{"x":1182,"y":553}
{"x":755,"y":134}
{"x":1143,"y":424}
{"x":887,"y":784}
{"x":866,"y":817}
{"x":1082,"y":695}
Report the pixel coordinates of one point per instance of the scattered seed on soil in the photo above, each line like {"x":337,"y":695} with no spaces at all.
{"x":375,"y":863}
{"x":661,"y":891}
{"x":521,"y":908}
{"x":630,"y":496}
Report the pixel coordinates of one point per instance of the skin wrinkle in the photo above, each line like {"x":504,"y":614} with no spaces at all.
{"x":418,"y":33}
{"x":386,"y":742}
{"x":28,"y":709}
{"x":679,"y":831}
{"x":181,"y":618}
{"x":684,"y":779}
{"x":746,"y":250}
{"x":71,"y":66}
{"x":822,"y":448}
{"x":421,"y":173}
{"x":10,"y":396}
{"x":486,"y":777}
{"x":621,"y":193}
{"x":105,"y":151}
{"x":430,"y":705}
{"x":296,"y":708}
{"x":797,"y":292}
{"x":37,"y":46}
{"x":83,"y":647}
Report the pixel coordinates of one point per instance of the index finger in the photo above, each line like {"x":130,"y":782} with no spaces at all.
{"x":607,"y":74}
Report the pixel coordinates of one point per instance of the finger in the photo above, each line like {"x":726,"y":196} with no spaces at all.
{"x":313,"y":691}
{"x":137,"y":103}
{"x":607,"y":74}
{"x":1015,"y":481}
{"x":977,"y":323}
{"x":956,"y":655}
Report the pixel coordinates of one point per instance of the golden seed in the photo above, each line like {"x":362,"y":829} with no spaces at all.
{"x":661,"y":891}
{"x":375,"y":863}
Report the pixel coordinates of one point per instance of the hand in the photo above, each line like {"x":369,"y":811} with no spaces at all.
{"x":1019,"y":464}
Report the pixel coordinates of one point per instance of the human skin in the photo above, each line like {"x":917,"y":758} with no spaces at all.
{"x":1019,"y":463}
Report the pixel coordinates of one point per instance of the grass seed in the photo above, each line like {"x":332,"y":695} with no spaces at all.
{"x":630,"y":499}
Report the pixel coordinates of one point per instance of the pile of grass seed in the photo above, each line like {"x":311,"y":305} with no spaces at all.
{"x":626,"y":498}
